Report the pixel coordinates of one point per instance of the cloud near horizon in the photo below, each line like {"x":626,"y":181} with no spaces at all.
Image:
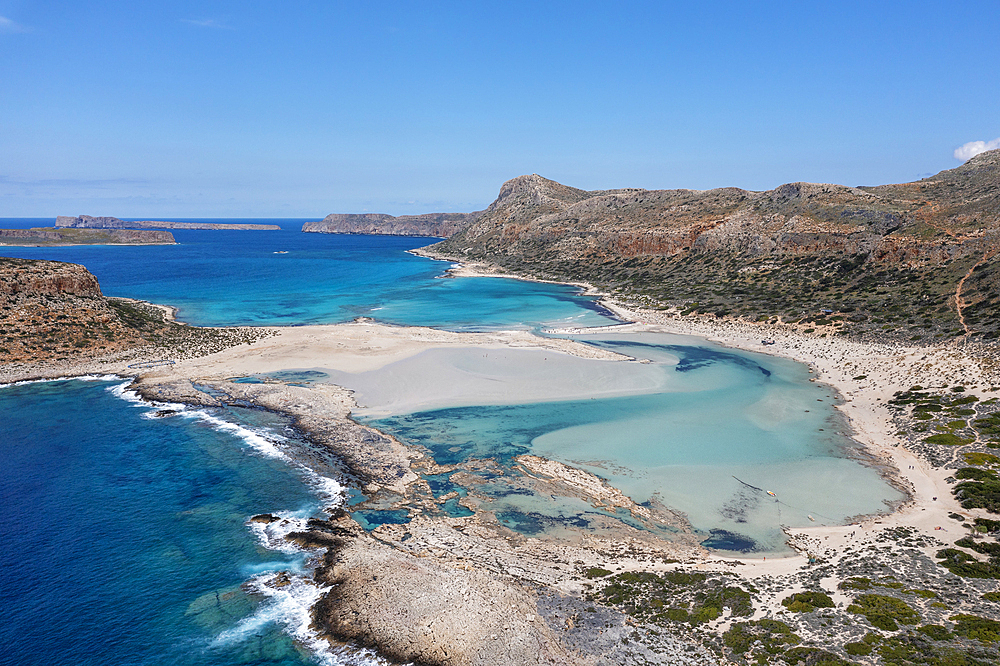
{"x":973,"y":148}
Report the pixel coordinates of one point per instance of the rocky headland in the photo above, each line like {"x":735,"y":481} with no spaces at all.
{"x":41,"y":236}
{"x":89,"y":222}
{"x":439,"y":225}
{"x":54,"y":321}
{"x":917,"y":261}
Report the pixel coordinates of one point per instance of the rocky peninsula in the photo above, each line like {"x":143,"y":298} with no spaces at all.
{"x":89,"y":222}
{"x":47,"y":237}
{"x":439,"y":225}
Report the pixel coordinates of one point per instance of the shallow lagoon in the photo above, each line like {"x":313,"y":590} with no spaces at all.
{"x":698,"y":428}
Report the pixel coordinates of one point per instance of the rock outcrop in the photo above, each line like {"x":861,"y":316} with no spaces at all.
{"x":53,"y":316}
{"x":49,"y":278}
{"x":424,"y":611}
{"x":89,"y":222}
{"x":440,"y":225}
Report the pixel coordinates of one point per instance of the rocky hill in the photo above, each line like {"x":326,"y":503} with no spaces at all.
{"x":54,"y":314}
{"x":88,"y":222}
{"x":917,"y":259}
{"x":440,"y":225}
{"x":48,"y":236}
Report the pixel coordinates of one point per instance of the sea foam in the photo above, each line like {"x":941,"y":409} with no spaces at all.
{"x":290,"y":606}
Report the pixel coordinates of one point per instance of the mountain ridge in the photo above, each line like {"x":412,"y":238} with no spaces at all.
{"x":683,"y":248}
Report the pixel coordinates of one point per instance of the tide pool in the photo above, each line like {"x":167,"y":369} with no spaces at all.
{"x":287,"y":278}
{"x":125,"y":537}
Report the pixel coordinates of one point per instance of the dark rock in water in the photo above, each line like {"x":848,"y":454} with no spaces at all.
{"x":315,"y":539}
{"x":282,"y":579}
{"x":164,"y":412}
{"x":726,"y":540}
{"x":265,"y":518}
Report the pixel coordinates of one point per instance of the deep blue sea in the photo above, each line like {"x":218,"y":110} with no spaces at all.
{"x":126,"y":536}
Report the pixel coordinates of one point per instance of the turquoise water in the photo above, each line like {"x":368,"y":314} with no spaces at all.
{"x":125,"y":538}
{"x":715,"y":432}
{"x":227,"y":278}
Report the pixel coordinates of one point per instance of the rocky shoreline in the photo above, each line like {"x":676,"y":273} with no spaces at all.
{"x":464,"y":589}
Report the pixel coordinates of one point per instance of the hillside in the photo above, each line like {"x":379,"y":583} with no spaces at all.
{"x":917,"y":259}
{"x":440,"y":225}
{"x":53,"y":312}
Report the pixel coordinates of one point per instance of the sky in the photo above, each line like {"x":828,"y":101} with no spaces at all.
{"x":250,"y":108}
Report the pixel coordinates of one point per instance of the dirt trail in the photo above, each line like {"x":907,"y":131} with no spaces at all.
{"x":959,"y":303}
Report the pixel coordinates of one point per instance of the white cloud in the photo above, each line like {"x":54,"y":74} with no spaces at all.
{"x":209,"y":23}
{"x":973,"y":148}
{"x":8,"y":26}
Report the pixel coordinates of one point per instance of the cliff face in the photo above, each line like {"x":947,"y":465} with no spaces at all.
{"x":52,"y":310}
{"x":794,"y":249}
{"x":23,"y":277}
{"x":441,"y":225}
{"x":53,"y":315}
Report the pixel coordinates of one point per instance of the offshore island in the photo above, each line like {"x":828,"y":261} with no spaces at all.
{"x":888,"y":293}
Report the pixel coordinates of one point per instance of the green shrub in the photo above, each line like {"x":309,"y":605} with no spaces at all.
{"x":856,"y":583}
{"x":977,"y":628}
{"x":947,"y":439}
{"x":884,"y":612}
{"x":984,"y":547}
{"x":858,"y":649}
{"x":773,"y":635}
{"x":965,"y":565}
{"x":977,"y":458}
{"x":596,"y":572}
{"x":983,"y":494}
{"x":992,"y":596}
{"x":806,"y":602}
{"x":935,"y":632}
{"x":975,"y":473}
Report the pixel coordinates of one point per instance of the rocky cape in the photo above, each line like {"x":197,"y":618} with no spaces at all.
{"x":89,"y":222}
{"x":47,"y":236}
{"x":439,"y":225}
{"x":54,"y":321}
{"x":865,"y":254}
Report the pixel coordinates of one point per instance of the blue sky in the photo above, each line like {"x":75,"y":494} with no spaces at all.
{"x":261,"y":109}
